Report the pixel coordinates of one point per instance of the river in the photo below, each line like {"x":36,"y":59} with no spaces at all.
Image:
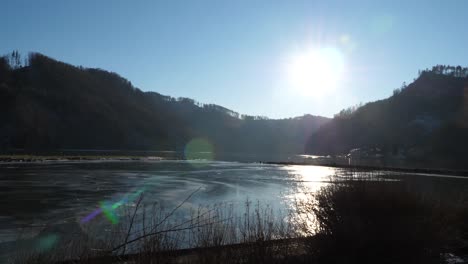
{"x":36,"y":195}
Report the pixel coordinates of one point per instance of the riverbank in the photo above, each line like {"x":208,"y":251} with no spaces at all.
{"x":441,"y":171}
{"x":110,"y":158}
{"x":72,"y":158}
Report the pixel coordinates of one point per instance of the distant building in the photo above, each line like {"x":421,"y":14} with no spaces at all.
{"x":364,"y":156}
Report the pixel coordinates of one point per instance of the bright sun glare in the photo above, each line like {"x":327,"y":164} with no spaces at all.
{"x":315,"y":72}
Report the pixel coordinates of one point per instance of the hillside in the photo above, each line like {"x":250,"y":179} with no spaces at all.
{"x":427,"y":120}
{"x":47,"y":105}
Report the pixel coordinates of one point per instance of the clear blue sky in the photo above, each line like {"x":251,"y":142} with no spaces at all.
{"x":233,"y":53}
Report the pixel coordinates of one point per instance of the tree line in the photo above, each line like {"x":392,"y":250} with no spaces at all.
{"x":425,"y":120}
{"x":455,"y":71}
{"x":46,"y":104}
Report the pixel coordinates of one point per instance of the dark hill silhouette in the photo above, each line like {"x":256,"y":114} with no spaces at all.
{"x":426,"y":120}
{"x":49,"y":105}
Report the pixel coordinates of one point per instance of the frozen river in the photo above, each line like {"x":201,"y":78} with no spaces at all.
{"x":36,"y":195}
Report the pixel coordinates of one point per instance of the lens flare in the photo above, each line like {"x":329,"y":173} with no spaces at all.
{"x":109,"y":212}
{"x":47,"y":242}
{"x":91,"y":215}
{"x":199,"y":149}
{"x":382,"y":24}
{"x":109,"y":209}
{"x":347,"y":44}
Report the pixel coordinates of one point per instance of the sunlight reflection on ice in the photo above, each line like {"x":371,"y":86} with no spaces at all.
{"x":310,"y":179}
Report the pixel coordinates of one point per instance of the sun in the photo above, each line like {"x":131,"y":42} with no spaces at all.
{"x":315,"y":72}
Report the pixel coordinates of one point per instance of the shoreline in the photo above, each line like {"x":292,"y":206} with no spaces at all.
{"x":442,"y":171}
{"x":9,"y":159}
{"x":30,"y":159}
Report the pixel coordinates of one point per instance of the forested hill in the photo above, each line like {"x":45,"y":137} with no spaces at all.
{"x":426,"y":119}
{"x":49,"y":105}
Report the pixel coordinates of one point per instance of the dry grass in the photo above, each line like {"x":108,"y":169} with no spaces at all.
{"x":375,"y":221}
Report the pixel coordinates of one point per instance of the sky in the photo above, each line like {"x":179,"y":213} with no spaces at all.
{"x":271,"y":58}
